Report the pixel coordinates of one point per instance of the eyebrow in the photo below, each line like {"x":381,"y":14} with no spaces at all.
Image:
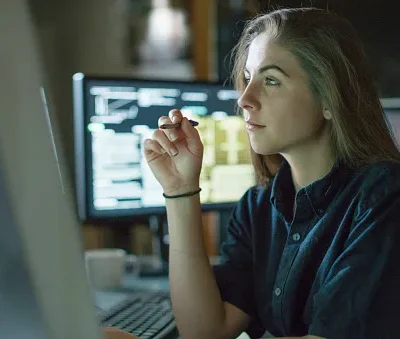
{"x":268,"y":67}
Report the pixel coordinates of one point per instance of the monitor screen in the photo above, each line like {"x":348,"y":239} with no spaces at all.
{"x":112,"y":119}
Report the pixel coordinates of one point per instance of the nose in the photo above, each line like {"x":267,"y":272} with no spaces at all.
{"x":249,"y":100}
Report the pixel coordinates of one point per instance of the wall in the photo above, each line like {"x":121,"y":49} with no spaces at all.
{"x":90,"y":36}
{"x":78,"y":36}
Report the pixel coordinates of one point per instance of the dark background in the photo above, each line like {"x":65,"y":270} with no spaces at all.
{"x":377,"y":23}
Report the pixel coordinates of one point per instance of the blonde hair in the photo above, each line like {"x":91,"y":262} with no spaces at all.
{"x":330,"y":52}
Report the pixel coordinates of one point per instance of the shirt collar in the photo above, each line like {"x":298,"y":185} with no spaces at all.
{"x":319,"y":193}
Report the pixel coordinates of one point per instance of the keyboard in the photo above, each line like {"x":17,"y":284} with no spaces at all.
{"x":147,"y":315}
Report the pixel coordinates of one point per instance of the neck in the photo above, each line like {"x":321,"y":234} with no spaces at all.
{"x":310,"y":163}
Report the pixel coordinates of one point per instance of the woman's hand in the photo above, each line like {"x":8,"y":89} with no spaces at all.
{"x":114,"y":333}
{"x":175,"y":155}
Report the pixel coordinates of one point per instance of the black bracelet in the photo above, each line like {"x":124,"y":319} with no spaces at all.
{"x":188,"y":194}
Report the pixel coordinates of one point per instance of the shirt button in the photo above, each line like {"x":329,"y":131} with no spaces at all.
{"x":296,"y":237}
{"x":278,"y":291}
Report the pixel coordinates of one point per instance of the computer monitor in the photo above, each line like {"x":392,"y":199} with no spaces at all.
{"x":113,"y":116}
{"x":43,"y":287}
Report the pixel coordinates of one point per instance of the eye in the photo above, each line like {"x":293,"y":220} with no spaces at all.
{"x":271,"y":82}
{"x":246,"y":80}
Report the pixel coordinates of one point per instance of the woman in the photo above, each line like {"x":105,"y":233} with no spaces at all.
{"x":312,"y":250}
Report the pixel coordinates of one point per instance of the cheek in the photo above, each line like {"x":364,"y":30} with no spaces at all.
{"x":295,"y":117}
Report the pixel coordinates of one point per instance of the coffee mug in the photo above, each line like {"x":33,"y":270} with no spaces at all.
{"x":105,"y":268}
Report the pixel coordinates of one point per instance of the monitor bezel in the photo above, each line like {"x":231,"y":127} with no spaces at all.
{"x":82,"y":162}
{"x":391,"y":106}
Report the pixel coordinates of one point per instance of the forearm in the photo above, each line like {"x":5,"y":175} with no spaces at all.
{"x":198,"y":308}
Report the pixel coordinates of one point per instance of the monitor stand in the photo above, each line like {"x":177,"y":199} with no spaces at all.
{"x":159,"y":227}
{"x":160,"y":243}
{"x":160,"y":239}
{"x":155,"y":264}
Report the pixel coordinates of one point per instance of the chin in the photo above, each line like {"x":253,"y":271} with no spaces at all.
{"x":268,"y":147}
{"x":264,"y":150}
{"x":261,"y":145}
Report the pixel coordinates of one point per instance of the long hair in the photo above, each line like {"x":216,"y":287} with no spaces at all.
{"x":331,"y":54}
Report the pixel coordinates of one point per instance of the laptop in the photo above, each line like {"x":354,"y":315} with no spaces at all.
{"x":44,"y":293}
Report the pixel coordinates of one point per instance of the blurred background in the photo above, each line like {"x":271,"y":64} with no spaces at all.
{"x":174,"y":40}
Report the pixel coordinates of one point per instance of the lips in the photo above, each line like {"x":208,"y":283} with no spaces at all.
{"x":254,"y":124}
{"x":251,"y":125}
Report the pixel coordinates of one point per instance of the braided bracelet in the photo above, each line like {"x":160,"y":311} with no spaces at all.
{"x":188,"y":194}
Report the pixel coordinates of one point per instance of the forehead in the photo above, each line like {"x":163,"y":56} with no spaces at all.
{"x":263,"y":51}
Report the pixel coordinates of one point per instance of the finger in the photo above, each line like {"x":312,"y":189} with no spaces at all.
{"x":173,"y":133}
{"x":113,"y":333}
{"x":164,"y":120}
{"x":189,"y":131}
{"x":160,"y":136}
{"x":192,"y":135}
{"x":151,"y":146}
{"x":175,"y":115}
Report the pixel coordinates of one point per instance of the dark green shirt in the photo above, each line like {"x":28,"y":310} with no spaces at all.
{"x":332,"y":269}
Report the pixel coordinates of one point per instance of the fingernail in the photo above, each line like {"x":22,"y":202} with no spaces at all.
{"x":173,"y":151}
{"x":175,"y":119}
{"x":173,"y":136}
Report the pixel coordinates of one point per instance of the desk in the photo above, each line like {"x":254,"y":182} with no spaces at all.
{"x":131,"y":283}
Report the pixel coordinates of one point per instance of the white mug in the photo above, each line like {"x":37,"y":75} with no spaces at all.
{"x":105,"y":268}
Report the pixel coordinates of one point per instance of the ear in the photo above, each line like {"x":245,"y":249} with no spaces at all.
{"x":327,"y":114}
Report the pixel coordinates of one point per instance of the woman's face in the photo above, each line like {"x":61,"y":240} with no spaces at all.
{"x":279,"y":109}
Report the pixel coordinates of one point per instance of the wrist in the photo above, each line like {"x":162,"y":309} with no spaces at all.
{"x":182,"y":190}
{"x":184,"y":195}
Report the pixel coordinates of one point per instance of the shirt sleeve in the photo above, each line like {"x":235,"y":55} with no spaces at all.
{"x":360,"y":297}
{"x":234,"y":274}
